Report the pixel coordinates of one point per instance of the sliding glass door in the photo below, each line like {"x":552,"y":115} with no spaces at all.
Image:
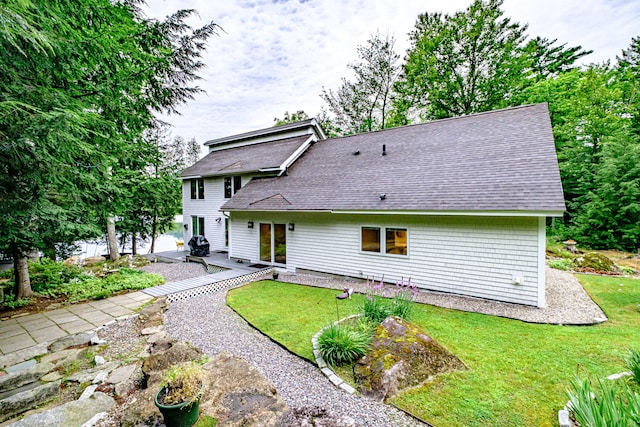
{"x":273,"y":243}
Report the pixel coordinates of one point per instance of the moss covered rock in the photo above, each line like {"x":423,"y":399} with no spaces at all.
{"x":401,"y":355}
{"x":597,"y":262}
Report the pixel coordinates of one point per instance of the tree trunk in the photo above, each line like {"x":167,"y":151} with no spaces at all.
{"x":152,"y":250}
{"x":21,"y":270}
{"x":114,"y":253}
{"x":134,"y":244}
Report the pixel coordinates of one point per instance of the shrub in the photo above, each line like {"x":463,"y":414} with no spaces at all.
{"x":47,"y":274}
{"x":376,"y":307}
{"x":613,"y":405}
{"x":340,"y":344}
{"x":633,"y":363}
{"x":11,"y":302}
{"x":560,"y":264}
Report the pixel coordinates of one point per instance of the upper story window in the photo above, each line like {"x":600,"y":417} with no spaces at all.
{"x":393,"y":243}
{"x":231,"y":185}
{"x":197,"y":188}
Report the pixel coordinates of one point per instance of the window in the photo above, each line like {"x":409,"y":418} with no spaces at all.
{"x":231,"y":186}
{"x":227,"y":187}
{"x":370,"y":239}
{"x":197,"y":226}
{"x":394,"y":243}
{"x":197,"y":188}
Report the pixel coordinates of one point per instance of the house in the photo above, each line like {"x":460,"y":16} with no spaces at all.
{"x":459,"y":205}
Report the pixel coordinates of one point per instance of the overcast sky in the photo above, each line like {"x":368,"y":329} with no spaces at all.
{"x":277,"y":55}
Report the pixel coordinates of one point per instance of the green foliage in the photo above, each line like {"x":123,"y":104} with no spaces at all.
{"x":609,"y":405}
{"x":182,"y":383}
{"x":377,"y":307}
{"x":633,"y":363}
{"x":89,"y":287}
{"x":534,"y":361}
{"x":47,"y":275}
{"x":560,"y":264}
{"x":298,"y":116}
{"x":462,"y":63}
{"x":364,"y":104}
{"x":82,"y":82}
{"x":10,"y":302}
{"x":340,"y":344}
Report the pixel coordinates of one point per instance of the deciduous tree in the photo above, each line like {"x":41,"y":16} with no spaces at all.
{"x":364,"y":104}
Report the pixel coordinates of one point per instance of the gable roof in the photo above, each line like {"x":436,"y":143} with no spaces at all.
{"x":249,"y":158}
{"x":274,"y":132}
{"x":503,"y":160}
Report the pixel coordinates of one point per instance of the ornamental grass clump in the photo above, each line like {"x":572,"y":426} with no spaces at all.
{"x":340,"y":344}
{"x":383,"y":302}
{"x":633,"y":363}
{"x":182,"y":383}
{"x":612,"y":404}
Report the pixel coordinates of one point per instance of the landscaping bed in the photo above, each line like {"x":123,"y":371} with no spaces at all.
{"x":518,"y":372}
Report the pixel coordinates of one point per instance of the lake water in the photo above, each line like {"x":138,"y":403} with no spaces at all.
{"x":164,"y":243}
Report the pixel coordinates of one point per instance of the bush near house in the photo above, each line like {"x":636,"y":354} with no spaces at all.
{"x":52,"y":280}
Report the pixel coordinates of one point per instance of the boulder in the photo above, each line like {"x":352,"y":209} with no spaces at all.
{"x":597,"y":262}
{"x":400,"y":356}
{"x":74,"y":260}
{"x":237,"y":394}
{"x":93,"y":260}
{"x":21,"y":402}
{"x":74,"y":413}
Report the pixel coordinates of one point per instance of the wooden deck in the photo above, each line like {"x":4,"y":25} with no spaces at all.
{"x":233,"y":274}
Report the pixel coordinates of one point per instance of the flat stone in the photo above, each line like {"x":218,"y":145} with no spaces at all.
{"x":99,"y":360}
{"x":563,"y":418}
{"x":21,"y":355}
{"x":71,"y":340}
{"x":20,"y":389}
{"x":88,"y":375}
{"x":88,"y":392}
{"x":123,"y":373}
{"x":95,"y":419}
{"x":22,"y":366}
{"x":97,"y":341}
{"x":22,"y":402}
{"x":160,"y":336}
{"x":20,"y":378}
{"x":61,"y":355}
{"x":124,"y":388}
{"x":152,"y":330}
{"x":100,"y":378}
{"x":51,"y":376}
{"x":619,"y":375}
{"x":74,"y":413}
{"x":346,"y":387}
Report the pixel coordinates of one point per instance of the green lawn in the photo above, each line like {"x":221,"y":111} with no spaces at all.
{"x":518,"y":371}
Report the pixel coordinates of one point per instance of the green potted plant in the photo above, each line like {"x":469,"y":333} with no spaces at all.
{"x":179,"y":395}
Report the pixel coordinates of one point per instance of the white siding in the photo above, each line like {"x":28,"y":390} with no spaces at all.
{"x":209,"y":208}
{"x":474,"y":256}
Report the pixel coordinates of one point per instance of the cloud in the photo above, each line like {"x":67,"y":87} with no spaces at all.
{"x":277,"y":55}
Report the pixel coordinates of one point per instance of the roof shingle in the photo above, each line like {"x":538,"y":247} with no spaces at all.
{"x":245,"y":159}
{"x":503,"y":160}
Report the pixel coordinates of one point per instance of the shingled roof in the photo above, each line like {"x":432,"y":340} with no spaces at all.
{"x":245,"y":159}
{"x":501,"y":161}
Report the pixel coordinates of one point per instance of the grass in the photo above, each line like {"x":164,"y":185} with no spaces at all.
{"x":519,"y":372}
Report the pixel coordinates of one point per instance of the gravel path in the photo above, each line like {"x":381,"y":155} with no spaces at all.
{"x":173,"y":271}
{"x":210,"y":325}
